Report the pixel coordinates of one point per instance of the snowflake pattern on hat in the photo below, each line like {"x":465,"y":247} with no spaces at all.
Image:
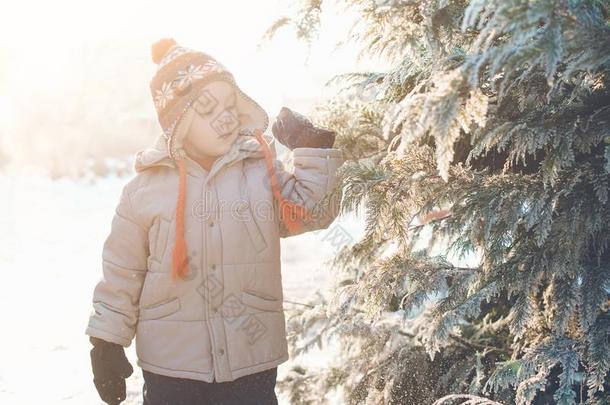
{"x":173,"y":54}
{"x":192,"y":72}
{"x":185,"y":78}
{"x":164,"y":95}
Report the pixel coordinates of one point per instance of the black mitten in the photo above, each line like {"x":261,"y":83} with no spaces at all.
{"x":294,"y":130}
{"x":110,"y":369}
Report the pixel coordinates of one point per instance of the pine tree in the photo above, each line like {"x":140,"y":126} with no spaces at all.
{"x":488,"y":138}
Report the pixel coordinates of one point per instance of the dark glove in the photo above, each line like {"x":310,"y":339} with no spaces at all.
{"x":294,"y":130}
{"x":110,"y":369}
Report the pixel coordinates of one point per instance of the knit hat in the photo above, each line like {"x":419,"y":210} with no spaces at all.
{"x":181,"y":74}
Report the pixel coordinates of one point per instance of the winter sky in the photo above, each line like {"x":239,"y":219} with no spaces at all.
{"x":80,"y":70}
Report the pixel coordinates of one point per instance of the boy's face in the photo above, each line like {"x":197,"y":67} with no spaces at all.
{"x":215,"y":122}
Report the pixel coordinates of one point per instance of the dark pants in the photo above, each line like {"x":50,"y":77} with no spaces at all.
{"x":257,"y":388}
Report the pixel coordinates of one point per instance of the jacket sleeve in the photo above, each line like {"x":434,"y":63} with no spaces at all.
{"x":313,"y":177}
{"x":124,"y":265}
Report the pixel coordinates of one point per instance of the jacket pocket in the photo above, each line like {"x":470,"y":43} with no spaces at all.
{"x":160,"y":309}
{"x":260,"y":301}
{"x":244,"y":211}
{"x":163,"y":232}
{"x":153,"y":235}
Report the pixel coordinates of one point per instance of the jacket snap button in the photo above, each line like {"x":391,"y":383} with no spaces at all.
{"x":221,"y":351}
{"x":211,"y":223}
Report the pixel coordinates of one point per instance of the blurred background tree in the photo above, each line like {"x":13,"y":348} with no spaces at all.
{"x":482,"y":163}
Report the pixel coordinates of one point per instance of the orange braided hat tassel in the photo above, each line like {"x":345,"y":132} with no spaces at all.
{"x":180,"y":262}
{"x":291,"y":213}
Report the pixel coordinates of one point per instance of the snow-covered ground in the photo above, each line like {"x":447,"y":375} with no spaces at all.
{"x":50,"y":258}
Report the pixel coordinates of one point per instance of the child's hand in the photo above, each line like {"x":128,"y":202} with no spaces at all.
{"x":110,"y":369}
{"x":294,"y":130}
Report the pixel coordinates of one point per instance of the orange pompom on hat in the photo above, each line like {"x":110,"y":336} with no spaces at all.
{"x":181,"y":74}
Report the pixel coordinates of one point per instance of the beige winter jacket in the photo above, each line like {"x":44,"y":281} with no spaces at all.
{"x":226,"y":320}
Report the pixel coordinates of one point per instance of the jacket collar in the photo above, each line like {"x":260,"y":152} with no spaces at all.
{"x":245,"y":146}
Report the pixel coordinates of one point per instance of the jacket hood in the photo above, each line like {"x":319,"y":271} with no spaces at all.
{"x":245,"y":146}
